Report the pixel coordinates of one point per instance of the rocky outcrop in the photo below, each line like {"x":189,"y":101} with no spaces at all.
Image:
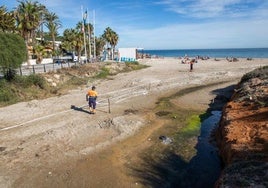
{"x":242,"y":136}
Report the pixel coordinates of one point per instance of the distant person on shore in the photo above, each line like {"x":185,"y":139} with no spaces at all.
{"x":192,"y":65}
{"x":91,"y":97}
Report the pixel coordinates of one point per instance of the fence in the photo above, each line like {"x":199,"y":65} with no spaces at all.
{"x":42,"y":68}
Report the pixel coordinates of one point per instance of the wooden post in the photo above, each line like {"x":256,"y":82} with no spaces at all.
{"x":109,"y":106}
{"x":20,"y":71}
{"x":33,"y":70}
{"x":44,"y":68}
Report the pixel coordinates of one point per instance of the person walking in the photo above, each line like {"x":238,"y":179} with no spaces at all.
{"x":91,"y":97}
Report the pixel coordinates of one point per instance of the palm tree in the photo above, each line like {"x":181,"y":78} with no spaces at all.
{"x":53,"y":23}
{"x":107,"y":35}
{"x":28,"y":18}
{"x":80,"y":44}
{"x":39,"y":51}
{"x":68,"y":38}
{"x":7,"y":20}
{"x":113,"y":42}
{"x":100,"y":43}
{"x":73,"y":40}
{"x":111,"y":38}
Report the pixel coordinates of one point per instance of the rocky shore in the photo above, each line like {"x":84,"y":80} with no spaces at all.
{"x":242,"y":135}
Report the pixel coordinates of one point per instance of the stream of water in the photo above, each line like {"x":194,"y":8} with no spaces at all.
{"x":205,"y":167}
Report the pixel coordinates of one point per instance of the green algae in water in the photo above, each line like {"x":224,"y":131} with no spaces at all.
{"x":183,"y":126}
{"x":186,"y":137}
{"x":192,"y":127}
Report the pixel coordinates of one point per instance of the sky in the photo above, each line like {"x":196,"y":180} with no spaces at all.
{"x":169,"y":24}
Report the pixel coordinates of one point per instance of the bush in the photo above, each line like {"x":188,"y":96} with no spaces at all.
{"x":37,"y":80}
{"x":20,"y":81}
{"x":6,"y":94}
{"x":9,"y":74}
{"x":12,"y":54}
{"x":103,"y":73}
{"x":134,"y":65}
{"x":28,"y":81}
{"x":22,"y":88}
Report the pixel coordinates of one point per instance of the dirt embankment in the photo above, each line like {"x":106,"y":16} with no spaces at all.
{"x":243,"y":133}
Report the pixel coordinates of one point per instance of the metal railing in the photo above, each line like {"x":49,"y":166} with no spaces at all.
{"x":48,"y":67}
{"x":42,"y":68}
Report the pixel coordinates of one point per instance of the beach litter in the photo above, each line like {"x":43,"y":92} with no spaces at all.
{"x":165,"y":140}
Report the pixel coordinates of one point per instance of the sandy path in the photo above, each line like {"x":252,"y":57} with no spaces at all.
{"x":37,"y":136}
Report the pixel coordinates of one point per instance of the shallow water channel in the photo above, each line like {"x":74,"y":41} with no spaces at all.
{"x":204,"y":168}
{"x":191,"y":159}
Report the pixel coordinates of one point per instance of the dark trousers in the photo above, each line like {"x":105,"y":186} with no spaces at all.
{"x":92,"y":103}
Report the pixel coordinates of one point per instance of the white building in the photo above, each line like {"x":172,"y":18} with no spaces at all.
{"x":127,"y":54}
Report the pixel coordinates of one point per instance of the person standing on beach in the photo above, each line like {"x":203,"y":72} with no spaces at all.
{"x":91,"y":97}
{"x":192,"y":65}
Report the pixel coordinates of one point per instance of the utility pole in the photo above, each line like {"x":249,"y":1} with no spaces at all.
{"x":89,"y":38}
{"x":84,"y":17}
{"x":94,"y":34}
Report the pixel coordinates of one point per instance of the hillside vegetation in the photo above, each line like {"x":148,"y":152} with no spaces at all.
{"x":40,"y":86}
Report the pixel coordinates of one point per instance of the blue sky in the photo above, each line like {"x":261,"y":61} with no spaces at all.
{"x":170,"y":24}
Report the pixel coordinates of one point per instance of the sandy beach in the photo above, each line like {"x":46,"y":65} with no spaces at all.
{"x":55,"y":142}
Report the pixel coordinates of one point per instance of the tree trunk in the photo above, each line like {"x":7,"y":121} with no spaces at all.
{"x":53,"y":42}
{"x":28,"y":53}
{"x":112,"y":52}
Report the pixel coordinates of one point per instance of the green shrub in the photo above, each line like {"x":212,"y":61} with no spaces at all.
{"x":103,"y":73}
{"x":132,"y":62}
{"x":28,"y":81}
{"x":36,"y":80}
{"x":134,"y":65}
{"x":6,"y":93}
{"x":20,"y":81}
{"x":12,"y":54}
{"x":9,"y":74}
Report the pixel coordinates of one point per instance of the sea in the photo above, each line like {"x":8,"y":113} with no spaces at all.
{"x":211,"y":53}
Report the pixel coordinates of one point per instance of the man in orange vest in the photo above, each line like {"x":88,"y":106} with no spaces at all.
{"x":91,"y":97}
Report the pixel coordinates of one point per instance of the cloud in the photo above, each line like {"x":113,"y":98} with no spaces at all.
{"x":226,"y":34}
{"x":213,"y":8}
{"x":199,"y":24}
